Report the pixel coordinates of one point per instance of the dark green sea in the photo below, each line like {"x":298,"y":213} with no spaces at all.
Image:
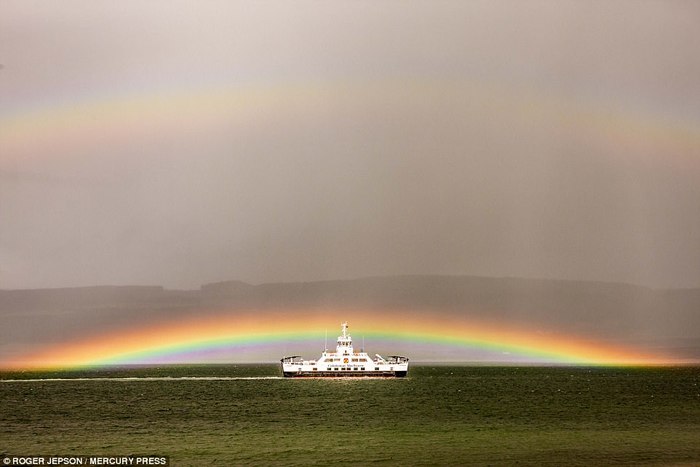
{"x":438,"y":415}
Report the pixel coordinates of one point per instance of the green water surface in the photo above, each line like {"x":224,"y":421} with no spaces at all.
{"x":438,"y":415}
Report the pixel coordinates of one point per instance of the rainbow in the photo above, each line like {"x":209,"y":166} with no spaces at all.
{"x":75,"y":129}
{"x":202,"y":339}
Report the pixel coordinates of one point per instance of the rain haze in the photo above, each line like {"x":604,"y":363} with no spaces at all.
{"x":180,"y":143}
{"x":500,"y":198}
{"x":494,"y":171}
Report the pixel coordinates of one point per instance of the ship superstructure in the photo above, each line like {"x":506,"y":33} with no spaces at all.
{"x":345,"y":362}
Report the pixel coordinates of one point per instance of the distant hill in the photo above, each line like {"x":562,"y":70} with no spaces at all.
{"x":668,"y":319}
{"x":598,"y":308}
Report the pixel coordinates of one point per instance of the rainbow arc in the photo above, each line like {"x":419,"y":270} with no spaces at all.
{"x":254,"y":333}
{"x":92,"y":121}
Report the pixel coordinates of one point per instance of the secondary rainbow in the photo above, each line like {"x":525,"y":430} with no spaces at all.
{"x":65,"y":131}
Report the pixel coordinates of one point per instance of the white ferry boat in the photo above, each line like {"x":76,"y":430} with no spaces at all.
{"x":345,"y":362}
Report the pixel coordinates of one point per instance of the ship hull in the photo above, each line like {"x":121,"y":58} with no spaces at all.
{"x":344,"y":374}
{"x":295,"y":370}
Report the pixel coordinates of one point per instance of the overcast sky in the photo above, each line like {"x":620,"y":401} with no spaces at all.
{"x":179,"y":143}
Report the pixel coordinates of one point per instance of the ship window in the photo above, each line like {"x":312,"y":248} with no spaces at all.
{"x":376,"y":368}
{"x":315,"y":369}
{"x":363,"y":368}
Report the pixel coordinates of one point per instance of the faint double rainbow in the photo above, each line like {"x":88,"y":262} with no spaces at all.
{"x":44,"y":131}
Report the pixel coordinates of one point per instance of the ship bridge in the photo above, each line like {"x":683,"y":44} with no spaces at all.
{"x":344,"y":341}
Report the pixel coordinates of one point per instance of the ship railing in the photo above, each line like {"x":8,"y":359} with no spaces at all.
{"x":397,"y":359}
{"x":290,"y":359}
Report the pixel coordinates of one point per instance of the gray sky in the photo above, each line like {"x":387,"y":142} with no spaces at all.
{"x":179,"y":143}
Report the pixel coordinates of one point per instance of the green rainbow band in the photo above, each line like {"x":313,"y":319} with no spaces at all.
{"x":212,"y":345}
